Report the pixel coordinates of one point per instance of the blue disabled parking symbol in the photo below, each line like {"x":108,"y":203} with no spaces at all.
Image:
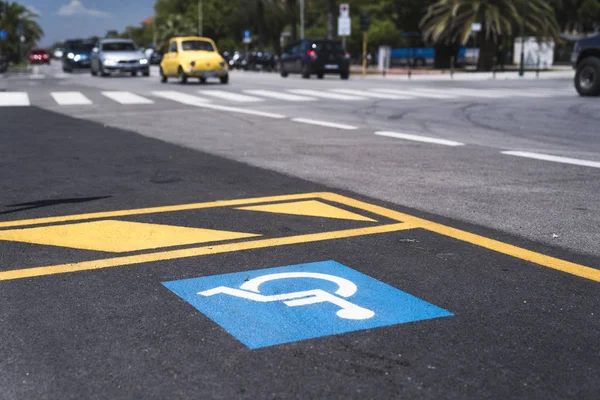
{"x":287,"y":304}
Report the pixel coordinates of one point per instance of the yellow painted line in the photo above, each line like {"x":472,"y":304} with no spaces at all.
{"x":481,"y":241}
{"x":311,"y":208}
{"x":198,"y":251}
{"x":152,"y":210}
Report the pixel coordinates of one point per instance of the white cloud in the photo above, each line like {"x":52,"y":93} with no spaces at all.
{"x":34,"y":10}
{"x":76,"y":7}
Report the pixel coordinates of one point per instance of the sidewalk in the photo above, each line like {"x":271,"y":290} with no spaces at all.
{"x":444,"y":75}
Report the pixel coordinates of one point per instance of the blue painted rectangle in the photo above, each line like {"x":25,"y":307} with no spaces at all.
{"x":288,"y":304}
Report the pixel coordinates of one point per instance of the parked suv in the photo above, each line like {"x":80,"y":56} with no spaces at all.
{"x":315,"y":56}
{"x":118,"y":55}
{"x":586,"y":60}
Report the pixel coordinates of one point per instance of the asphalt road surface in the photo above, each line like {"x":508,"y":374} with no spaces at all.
{"x":288,"y":238}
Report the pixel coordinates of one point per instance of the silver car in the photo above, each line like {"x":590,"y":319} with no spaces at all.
{"x":118,"y":55}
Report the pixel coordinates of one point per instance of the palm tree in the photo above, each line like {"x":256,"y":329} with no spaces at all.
{"x":18,"y":15}
{"x":449,"y":21}
{"x":175,"y":25}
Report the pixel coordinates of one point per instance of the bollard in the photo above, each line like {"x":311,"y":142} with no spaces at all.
{"x":452,"y":67}
{"x":537,"y":69}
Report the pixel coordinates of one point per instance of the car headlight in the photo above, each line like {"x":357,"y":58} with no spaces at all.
{"x":77,"y":57}
{"x":71,"y":56}
{"x":143,"y":61}
{"x":110,"y":62}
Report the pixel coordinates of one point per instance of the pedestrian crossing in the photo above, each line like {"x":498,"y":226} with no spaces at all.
{"x":261,"y":96}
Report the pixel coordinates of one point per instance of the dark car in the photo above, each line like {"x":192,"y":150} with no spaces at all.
{"x":586,"y":61}
{"x":77,"y":54}
{"x":39,"y":56}
{"x":156,"y":57}
{"x":315,"y":57}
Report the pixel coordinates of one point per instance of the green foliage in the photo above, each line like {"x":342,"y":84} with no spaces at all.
{"x":16,"y":14}
{"x":449,"y":21}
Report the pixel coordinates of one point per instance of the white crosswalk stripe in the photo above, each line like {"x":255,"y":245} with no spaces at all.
{"x":226,"y":95}
{"x":417,"y":93}
{"x":127,"y":98}
{"x":179,"y":97}
{"x":70,"y":98}
{"x":325,"y":95}
{"x":279,"y":95}
{"x":9,"y":99}
{"x":362,"y":93}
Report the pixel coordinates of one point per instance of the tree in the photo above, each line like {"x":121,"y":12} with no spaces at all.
{"x":449,"y":21}
{"x":18,"y":15}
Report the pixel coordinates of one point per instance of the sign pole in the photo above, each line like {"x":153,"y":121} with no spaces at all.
{"x":301,"y":19}
{"x":200,"y":18}
{"x":364,"y":63}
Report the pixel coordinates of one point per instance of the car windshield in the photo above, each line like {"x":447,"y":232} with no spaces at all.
{"x":38,"y":51}
{"x":80,"y":46}
{"x":197,"y":45}
{"x":118,"y":46}
{"x":328,"y":47}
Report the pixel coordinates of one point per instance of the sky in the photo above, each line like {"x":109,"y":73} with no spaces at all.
{"x":63,"y":19}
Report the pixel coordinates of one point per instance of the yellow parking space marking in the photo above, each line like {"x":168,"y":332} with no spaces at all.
{"x":156,"y":210}
{"x":299,"y":204}
{"x":118,"y":236}
{"x":198,"y":251}
{"x":310,"y":208}
{"x":478,"y":240}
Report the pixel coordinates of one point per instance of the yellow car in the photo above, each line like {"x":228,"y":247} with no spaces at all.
{"x":193,"y":57}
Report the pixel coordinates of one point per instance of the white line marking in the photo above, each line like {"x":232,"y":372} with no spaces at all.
{"x":466,"y":92}
{"x":127,"y":98}
{"x":416,"y":138}
{"x":546,"y":157}
{"x":324,"y":123}
{"x":37,"y":76}
{"x":223,"y":94}
{"x":416,"y":93}
{"x":372,"y":94}
{"x":9,"y":99}
{"x":279,"y":95}
{"x":196,"y":101}
{"x":70,"y":98}
{"x":522,"y":93}
{"x":325,"y":95}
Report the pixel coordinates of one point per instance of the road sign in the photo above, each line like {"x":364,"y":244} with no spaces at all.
{"x":344,"y":26}
{"x":345,"y":10}
{"x":287,"y":304}
{"x":3,"y":34}
{"x":247,"y":36}
{"x":476,"y":27}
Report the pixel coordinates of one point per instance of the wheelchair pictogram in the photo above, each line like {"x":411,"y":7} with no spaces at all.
{"x":250,"y":291}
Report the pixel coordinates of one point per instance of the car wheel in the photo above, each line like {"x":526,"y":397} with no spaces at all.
{"x":224,"y":79}
{"x":320,"y":76}
{"x":305,"y":72}
{"x":283,"y":72}
{"x":133,"y":73}
{"x":202,"y":80}
{"x":146,"y":73}
{"x":587,"y":78}
{"x":181,"y":77}
{"x":345,"y":75}
{"x":103,"y":73}
{"x":93,"y":71}
{"x":163,"y":77}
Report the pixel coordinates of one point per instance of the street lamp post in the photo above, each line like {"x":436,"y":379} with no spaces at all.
{"x":200,"y":16}
{"x":301,"y":19}
{"x":522,"y":66}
